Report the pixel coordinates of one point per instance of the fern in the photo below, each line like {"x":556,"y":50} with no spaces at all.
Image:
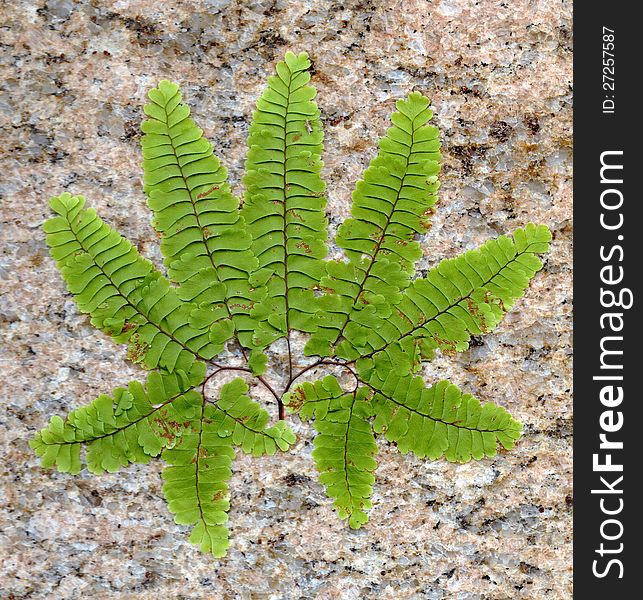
{"x":250,"y":274}
{"x":345,"y":448}
{"x":196,"y":481}
{"x":206,"y":248}
{"x":284,"y":203}
{"x":131,"y":425}
{"x":391,"y":206}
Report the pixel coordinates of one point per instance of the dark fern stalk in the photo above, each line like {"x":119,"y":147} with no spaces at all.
{"x":252,"y":275}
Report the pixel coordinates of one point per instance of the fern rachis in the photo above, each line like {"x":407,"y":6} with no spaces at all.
{"x":252,"y":273}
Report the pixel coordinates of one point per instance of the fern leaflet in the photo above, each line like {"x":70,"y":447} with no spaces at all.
{"x":345,"y":446}
{"x":437,"y":420}
{"x":204,"y":240}
{"x":131,"y":425}
{"x":284,"y":202}
{"x":122,"y":292}
{"x":391,"y":205}
{"x":238,"y":416}
{"x":196,"y":481}
{"x":464,"y":296}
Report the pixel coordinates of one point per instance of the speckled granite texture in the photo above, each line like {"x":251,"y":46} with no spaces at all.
{"x":74,"y":77}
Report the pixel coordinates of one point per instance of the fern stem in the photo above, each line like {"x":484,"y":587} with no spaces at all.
{"x":275,"y":394}
{"x":259,"y":378}
{"x":289,"y":355}
{"x":197,"y":456}
{"x":323,"y":362}
{"x":346,"y":436}
{"x":223,"y":368}
{"x":304,"y":370}
{"x":285,"y":224}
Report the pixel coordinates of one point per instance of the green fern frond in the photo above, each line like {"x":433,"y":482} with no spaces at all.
{"x":345,"y":446}
{"x":438,"y":420}
{"x":243,"y":419}
{"x":461,"y":297}
{"x":284,"y":202}
{"x":196,"y":481}
{"x":256,"y":273}
{"x":122,"y":292}
{"x":429,"y":421}
{"x":130,"y":426}
{"x":391,"y":206}
{"x":204,"y":241}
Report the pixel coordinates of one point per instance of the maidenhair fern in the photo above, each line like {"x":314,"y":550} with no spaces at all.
{"x":250,"y":273}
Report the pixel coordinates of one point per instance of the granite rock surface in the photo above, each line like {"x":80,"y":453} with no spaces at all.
{"x":74,"y":77}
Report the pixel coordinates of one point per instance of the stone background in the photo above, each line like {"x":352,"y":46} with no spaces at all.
{"x":74,"y":78}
